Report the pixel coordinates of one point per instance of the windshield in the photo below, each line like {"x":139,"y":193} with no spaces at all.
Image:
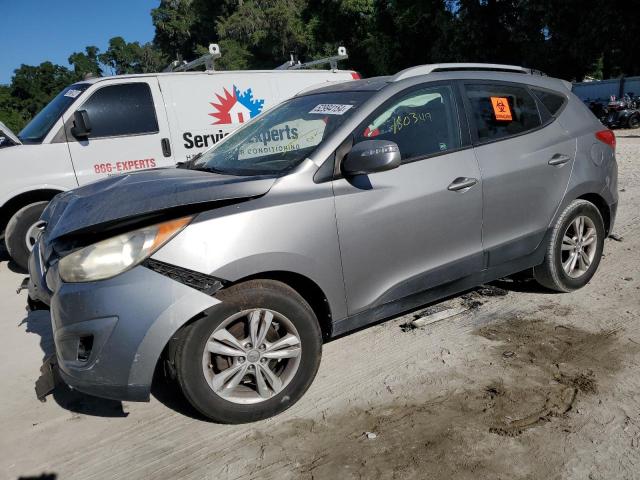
{"x":37,"y":129}
{"x":281,"y":138}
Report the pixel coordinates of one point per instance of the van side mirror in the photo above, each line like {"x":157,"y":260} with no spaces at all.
{"x":371,"y":156}
{"x":81,"y":124}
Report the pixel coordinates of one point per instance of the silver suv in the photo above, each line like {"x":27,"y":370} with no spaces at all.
{"x":340,"y":207}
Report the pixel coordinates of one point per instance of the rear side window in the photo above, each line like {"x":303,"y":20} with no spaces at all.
{"x":500,"y":111}
{"x":119,"y":110}
{"x":552,"y":101}
{"x":422,"y":122}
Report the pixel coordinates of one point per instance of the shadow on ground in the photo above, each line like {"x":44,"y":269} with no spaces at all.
{"x":44,"y":476}
{"x":170,"y":395}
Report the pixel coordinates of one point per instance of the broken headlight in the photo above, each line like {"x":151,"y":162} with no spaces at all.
{"x":115,"y":255}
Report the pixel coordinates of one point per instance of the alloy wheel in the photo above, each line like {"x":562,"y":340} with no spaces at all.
{"x":251,"y":356}
{"x":579,"y":245}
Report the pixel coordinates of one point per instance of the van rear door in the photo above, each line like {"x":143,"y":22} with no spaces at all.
{"x":128,"y":129}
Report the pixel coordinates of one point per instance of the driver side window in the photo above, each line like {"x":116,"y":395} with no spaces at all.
{"x":422,"y":123}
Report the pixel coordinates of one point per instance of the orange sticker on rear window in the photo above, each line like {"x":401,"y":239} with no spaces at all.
{"x":501,"y":109}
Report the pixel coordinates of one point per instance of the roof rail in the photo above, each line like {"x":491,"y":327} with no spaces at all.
{"x":457,"y":67}
{"x":295,"y":64}
{"x":206,"y":60}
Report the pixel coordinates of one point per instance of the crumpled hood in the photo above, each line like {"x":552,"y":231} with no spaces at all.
{"x":140,"y":194}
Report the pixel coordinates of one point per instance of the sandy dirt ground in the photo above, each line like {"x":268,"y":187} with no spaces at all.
{"x":525,"y":384}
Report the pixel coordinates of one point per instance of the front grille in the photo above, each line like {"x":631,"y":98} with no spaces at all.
{"x":197,"y":280}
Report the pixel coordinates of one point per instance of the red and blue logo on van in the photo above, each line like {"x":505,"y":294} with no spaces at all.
{"x":236,"y":107}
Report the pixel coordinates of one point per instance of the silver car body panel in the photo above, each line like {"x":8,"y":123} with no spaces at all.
{"x":373,"y":246}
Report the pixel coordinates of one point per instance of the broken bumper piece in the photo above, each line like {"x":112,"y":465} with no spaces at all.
{"x":49,"y":377}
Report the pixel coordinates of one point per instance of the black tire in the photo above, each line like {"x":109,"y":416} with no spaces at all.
{"x":550,"y":273}
{"x":634,"y":121}
{"x":16,"y":232}
{"x":192,"y":339}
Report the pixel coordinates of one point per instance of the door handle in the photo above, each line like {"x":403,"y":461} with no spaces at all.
{"x":166,"y":147}
{"x":559,"y":159}
{"x":462,"y":183}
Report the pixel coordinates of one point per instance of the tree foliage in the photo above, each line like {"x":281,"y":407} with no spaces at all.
{"x":86,"y":63}
{"x":565,"y":38}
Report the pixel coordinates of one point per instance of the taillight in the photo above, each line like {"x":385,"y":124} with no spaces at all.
{"x":608,"y":137}
{"x":355,"y":75}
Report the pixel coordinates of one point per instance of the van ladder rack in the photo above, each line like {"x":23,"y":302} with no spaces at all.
{"x":332,"y":61}
{"x":207,"y":60}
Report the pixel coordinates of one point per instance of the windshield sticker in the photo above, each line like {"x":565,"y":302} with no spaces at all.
{"x":285,"y":137}
{"x":501,"y":109}
{"x":330,"y":109}
{"x":73,"y":93}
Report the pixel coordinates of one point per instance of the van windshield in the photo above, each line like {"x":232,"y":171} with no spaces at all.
{"x":280,"y":139}
{"x":37,"y":129}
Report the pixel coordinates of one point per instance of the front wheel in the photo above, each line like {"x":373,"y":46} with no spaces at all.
{"x":22,"y":231}
{"x":634,"y":121}
{"x":252,"y":356}
{"x":574,"y":251}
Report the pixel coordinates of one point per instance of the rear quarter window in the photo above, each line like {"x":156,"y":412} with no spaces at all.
{"x":552,"y":101}
{"x":501,"y":111}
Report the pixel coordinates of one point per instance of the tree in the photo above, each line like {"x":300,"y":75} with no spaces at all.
{"x":174,"y":21}
{"x":10,"y":114}
{"x":564,"y":38}
{"x":86,"y":63}
{"x":123,"y":57}
{"x":268,"y":29}
{"x":33,"y":87}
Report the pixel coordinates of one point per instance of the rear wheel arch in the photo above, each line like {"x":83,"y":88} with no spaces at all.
{"x":602,"y":207}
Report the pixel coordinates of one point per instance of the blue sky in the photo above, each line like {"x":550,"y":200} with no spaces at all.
{"x":33,"y":31}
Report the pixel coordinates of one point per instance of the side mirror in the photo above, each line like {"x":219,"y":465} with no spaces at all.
{"x":81,"y":124}
{"x":371,"y":156}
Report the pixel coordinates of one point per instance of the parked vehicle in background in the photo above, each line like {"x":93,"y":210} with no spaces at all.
{"x":622,"y":113}
{"x":599,"y":109}
{"x":343,"y":206}
{"x":112,"y":125}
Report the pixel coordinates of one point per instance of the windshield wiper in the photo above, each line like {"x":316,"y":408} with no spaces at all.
{"x":188,"y":163}
{"x":204,"y":168}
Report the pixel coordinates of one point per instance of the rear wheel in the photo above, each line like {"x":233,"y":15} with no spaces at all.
{"x":575,"y":248}
{"x":634,"y":121}
{"x":252,"y":356}
{"x":22,"y":231}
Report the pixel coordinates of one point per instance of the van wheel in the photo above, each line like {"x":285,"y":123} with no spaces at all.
{"x":22,"y":231}
{"x":575,"y":248}
{"x":251,"y":356}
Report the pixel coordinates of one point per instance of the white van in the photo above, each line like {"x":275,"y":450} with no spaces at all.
{"x":113,"y":125}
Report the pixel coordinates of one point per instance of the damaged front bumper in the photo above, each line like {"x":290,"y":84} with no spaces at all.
{"x":109,"y":334}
